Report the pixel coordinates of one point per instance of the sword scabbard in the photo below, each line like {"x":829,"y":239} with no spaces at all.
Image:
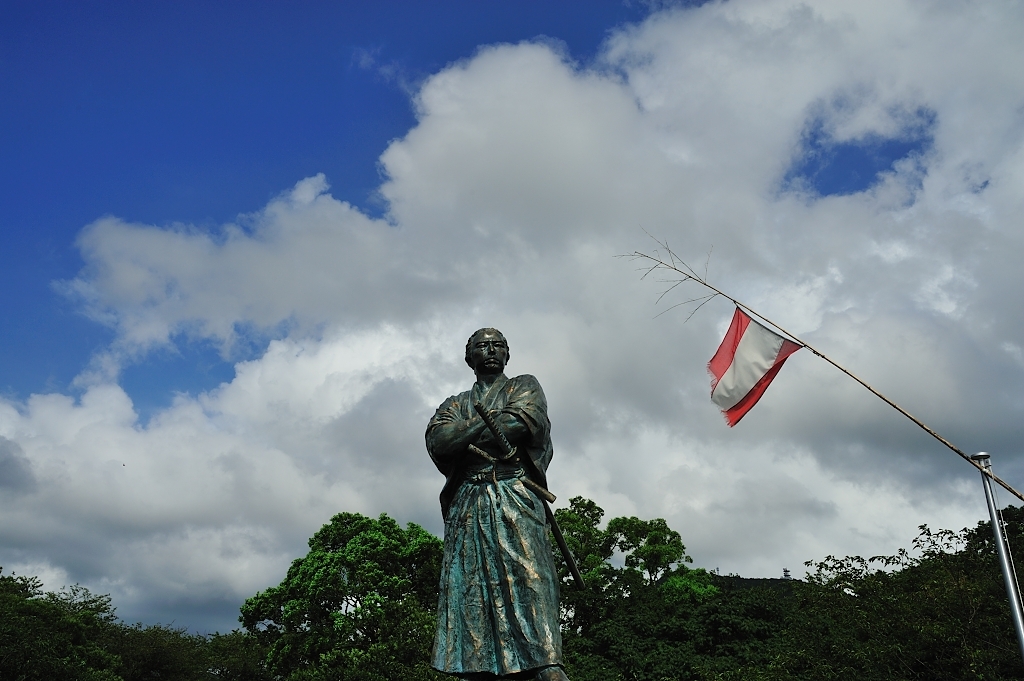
{"x":510,"y":451}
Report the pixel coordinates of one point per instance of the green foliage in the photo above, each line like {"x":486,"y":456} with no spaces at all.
{"x":360,"y":605}
{"x":236,"y":656}
{"x":652,"y":554}
{"x":157,"y":652}
{"x":942,"y":614}
{"x":52,"y":636}
{"x":938,"y":611}
{"x":74,"y":635}
{"x":649,"y":546}
{"x":653,"y":617}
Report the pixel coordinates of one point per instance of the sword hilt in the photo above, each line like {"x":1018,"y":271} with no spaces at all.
{"x":508,"y":451}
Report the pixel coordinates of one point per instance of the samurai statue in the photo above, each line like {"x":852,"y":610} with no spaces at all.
{"x":497,"y":616}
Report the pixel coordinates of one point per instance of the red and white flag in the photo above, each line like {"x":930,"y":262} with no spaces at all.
{"x":746,"y":362}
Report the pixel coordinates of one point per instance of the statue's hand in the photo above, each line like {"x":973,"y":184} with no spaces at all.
{"x":514,"y":429}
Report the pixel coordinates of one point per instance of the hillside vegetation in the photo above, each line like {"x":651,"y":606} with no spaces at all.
{"x":359,"y":606}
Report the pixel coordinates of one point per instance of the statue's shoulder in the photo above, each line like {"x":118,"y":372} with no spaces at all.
{"x":461,"y":398}
{"x":526,"y":383}
{"x":452,"y":409}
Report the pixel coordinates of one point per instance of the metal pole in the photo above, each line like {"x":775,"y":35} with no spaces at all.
{"x":983,"y":459}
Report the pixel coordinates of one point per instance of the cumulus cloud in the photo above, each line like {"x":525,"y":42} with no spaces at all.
{"x":15,"y":468}
{"x":524,"y":175}
{"x":303,"y":260}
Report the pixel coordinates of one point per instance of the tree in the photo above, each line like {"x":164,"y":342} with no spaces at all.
{"x":236,"y":656}
{"x":938,"y":611}
{"x":654,"y":617}
{"x":158,"y":652}
{"x":74,"y":635}
{"x":360,"y":605}
{"x":55,"y":635}
{"x":940,"y":614}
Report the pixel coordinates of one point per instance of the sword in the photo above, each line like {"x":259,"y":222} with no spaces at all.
{"x":508,"y":452}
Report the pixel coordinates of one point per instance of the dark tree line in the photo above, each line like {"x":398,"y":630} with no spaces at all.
{"x":937,"y":612}
{"x":359,"y":606}
{"x":74,"y":635}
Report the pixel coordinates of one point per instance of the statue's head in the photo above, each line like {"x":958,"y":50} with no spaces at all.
{"x":487,"y":351}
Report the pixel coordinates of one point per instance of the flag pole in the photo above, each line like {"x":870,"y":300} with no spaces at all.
{"x":656,"y":263}
{"x":1003,"y":551}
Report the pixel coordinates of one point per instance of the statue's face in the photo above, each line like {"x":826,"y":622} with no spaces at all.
{"x":488,"y":354}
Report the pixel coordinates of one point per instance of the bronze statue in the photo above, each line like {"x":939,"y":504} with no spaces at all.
{"x":497,"y":617}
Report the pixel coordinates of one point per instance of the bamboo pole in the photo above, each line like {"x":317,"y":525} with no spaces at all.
{"x":656,"y":263}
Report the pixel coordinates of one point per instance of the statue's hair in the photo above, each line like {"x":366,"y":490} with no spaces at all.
{"x":469,"y":343}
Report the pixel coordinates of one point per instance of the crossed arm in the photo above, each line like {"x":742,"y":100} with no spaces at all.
{"x":450,"y":434}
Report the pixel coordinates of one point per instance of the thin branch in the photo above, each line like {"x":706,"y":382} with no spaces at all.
{"x":647,"y":271}
{"x":669,"y":290}
{"x":710,"y":298}
{"x":691,"y":300}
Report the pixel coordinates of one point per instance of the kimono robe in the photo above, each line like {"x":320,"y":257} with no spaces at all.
{"x":498,"y":607}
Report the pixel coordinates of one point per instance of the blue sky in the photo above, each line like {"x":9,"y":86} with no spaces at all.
{"x":194,"y":112}
{"x":243,"y":245}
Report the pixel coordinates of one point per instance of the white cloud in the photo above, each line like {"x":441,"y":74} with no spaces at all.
{"x":936,"y":293}
{"x":523,"y":176}
{"x":304,"y":259}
